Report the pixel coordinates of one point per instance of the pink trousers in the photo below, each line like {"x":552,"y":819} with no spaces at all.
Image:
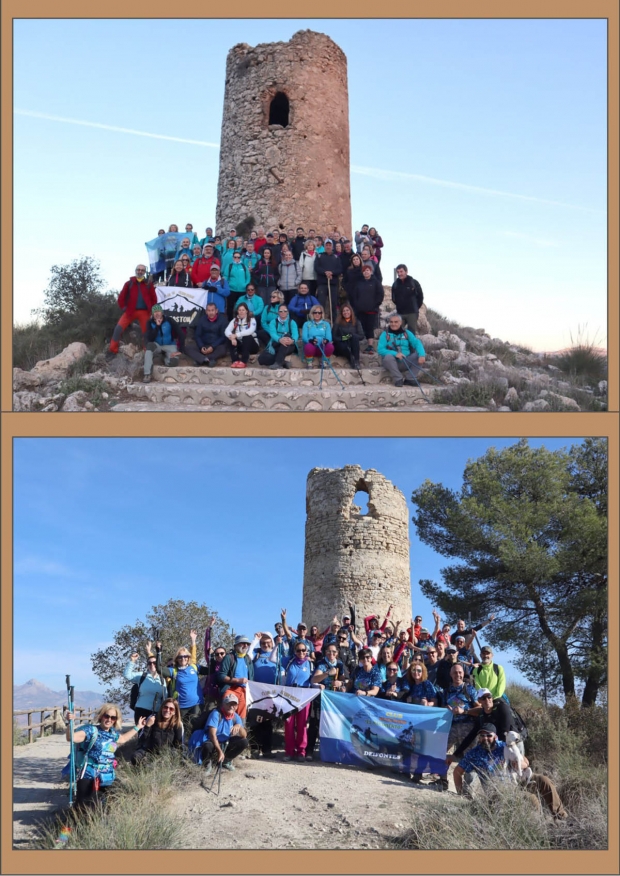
{"x":295,"y":733}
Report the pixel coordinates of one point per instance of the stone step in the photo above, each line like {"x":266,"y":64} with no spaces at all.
{"x":167,"y":407}
{"x":224,"y":375}
{"x":201,"y":396}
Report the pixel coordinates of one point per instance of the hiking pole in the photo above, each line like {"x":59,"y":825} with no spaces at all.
{"x":357,"y":368}
{"x":329,"y":295}
{"x":416,"y":379}
{"x":72,"y":780}
{"x":325,"y":359}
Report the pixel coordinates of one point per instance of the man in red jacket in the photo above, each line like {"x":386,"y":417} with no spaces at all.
{"x":201,"y":269}
{"x":136,"y":299}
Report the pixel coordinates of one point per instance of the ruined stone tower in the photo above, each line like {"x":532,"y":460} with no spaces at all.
{"x":284,"y":152}
{"x":355,"y":557}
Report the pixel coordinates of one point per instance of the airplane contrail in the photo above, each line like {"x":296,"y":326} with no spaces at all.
{"x":375,"y":172}
{"x":51,"y":118}
{"x":388,"y":175}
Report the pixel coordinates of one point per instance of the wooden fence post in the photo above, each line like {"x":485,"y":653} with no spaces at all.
{"x":30,"y":730}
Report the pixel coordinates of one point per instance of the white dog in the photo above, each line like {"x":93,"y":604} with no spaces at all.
{"x":512,"y":755}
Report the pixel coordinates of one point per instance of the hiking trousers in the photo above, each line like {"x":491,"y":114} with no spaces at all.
{"x":295,"y":732}
{"x":235,"y":746}
{"x":396,"y":368}
{"x":152,"y":348}
{"x":141,"y":316}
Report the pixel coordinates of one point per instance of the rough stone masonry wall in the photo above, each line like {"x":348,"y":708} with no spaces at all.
{"x":299,"y":174}
{"x":350,"y":557}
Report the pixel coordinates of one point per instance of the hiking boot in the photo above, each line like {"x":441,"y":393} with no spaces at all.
{"x":301,"y":758}
{"x":208,"y":768}
{"x":274,"y":367}
{"x":110,"y":354}
{"x":228,"y":765}
{"x":287,"y":758}
{"x":410,"y":382}
{"x":399,"y":381}
{"x":268,"y":754}
{"x":285,"y":364}
{"x":355,"y":363}
{"x":211,"y":363}
{"x":147,"y":378}
{"x":369,"y":349}
{"x":416,"y":778}
{"x":173,"y":363}
{"x":309,"y":757}
{"x":206,"y":362}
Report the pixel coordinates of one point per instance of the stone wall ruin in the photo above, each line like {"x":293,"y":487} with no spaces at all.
{"x":284,"y":152}
{"x":351,"y":556}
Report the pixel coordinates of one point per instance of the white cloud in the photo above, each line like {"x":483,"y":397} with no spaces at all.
{"x":33,"y":565}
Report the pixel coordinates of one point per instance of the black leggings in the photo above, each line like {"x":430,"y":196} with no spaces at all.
{"x":245,"y":346}
{"x":279,"y":356}
{"x":350,"y":348}
{"x":369,"y":323}
{"x":235,"y":746}
{"x":86,"y":794}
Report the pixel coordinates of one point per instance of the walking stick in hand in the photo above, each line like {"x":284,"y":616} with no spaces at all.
{"x":72,"y":779}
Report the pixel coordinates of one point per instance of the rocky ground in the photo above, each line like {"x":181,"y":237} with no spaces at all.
{"x":281,"y":805}
{"x":470,"y":371}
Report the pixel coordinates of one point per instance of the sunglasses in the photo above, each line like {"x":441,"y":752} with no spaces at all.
{"x":183,"y":657}
{"x":109,"y":717}
{"x":392,"y":670}
{"x":151,"y":663}
{"x":301,"y":650}
{"x":221,"y":654}
{"x":167,"y":709}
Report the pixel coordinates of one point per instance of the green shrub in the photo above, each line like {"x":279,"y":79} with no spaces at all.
{"x":141,"y":810}
{"x":471,"y":394}
{"x":583,"y":362}
{"x":19,"y":737}
{"x":94,"y":388}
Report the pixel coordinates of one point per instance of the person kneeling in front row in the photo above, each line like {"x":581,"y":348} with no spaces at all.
{"x":227,"y":737}
{"x":402,"y":352}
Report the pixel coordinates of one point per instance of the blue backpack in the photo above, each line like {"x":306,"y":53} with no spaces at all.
{"x":80,"y":753}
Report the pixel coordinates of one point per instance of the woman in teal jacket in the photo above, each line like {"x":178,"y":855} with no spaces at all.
{"x":283,"y":337}
{"x":253,"y":302}
{"x":317,"y":336}
{"x":227,"y":255}
{"x":238,"y":276}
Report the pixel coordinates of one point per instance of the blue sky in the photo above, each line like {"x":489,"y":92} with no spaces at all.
{"x":105,"y":528}
{"x":478,"y":150}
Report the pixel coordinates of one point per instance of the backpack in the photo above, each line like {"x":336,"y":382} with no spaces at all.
{"x":518,"y":724}
{"x":81,"y":757}
{"x":135,"y":691}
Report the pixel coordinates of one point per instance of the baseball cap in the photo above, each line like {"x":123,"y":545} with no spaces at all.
{"x":484,"y":692}
{"x":450,"y":649}
{"x":230,"y":698}
{"x":489,"y":728}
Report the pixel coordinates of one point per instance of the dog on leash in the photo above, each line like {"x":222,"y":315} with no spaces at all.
{"x":512,"y":755}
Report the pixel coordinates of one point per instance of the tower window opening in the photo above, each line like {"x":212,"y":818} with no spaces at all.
{"x":279,"y":110}
{"x":360,"y":501}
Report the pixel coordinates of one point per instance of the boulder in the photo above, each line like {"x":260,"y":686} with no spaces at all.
{"x":602,"y":387}
{"x":59,"y":365}
{"x":430,"y":342}
{"x":447,"y":355}
{"x":76,"y":401}
{"x":451,"y":341}
{"x":511,"y":397}
{"x":424,"y":327}
{"x":27,"y":379}
{"x":539,"y":405}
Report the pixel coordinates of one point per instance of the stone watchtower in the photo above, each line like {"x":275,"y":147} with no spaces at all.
{"x":284,"y":153}
{"x":355,"y":557}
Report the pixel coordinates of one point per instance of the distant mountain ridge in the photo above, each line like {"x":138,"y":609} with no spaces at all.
{"x":36,"y":695}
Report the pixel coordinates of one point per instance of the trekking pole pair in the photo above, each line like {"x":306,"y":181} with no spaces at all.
{"x":70,"y":705}
{"x":324,"y":359}
{"x":410,"y":369}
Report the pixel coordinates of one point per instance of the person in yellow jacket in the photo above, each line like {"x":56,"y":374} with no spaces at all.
{"x":489,"y":675}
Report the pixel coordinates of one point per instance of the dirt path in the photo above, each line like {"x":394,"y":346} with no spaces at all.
{"x":38,"y":789}
{"x":280,"y":805}
{"x":302,"y":806}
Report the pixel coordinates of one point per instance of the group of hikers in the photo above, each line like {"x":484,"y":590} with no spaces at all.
{"x":275,"y":294}
{"x":201,"y":708}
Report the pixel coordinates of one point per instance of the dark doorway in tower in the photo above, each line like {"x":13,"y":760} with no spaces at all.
{"x":278,"y":109}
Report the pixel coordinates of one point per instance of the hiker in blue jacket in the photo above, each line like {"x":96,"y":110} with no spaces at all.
{"x":224,"y":727}
{"x":253,"y":301}
{"x":238,"y":276}
{"x":283,"y":337}
{"x":317,"y":336}
{"x":268,"y":314}
{"x":209,"y":337}
{"x":152,"y":687}
{"x":302,"y":303}
{"x":265,"y":671}
{"x":217,"y":288}
{"x":401,"y":351}
{"x":98,"y":743}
